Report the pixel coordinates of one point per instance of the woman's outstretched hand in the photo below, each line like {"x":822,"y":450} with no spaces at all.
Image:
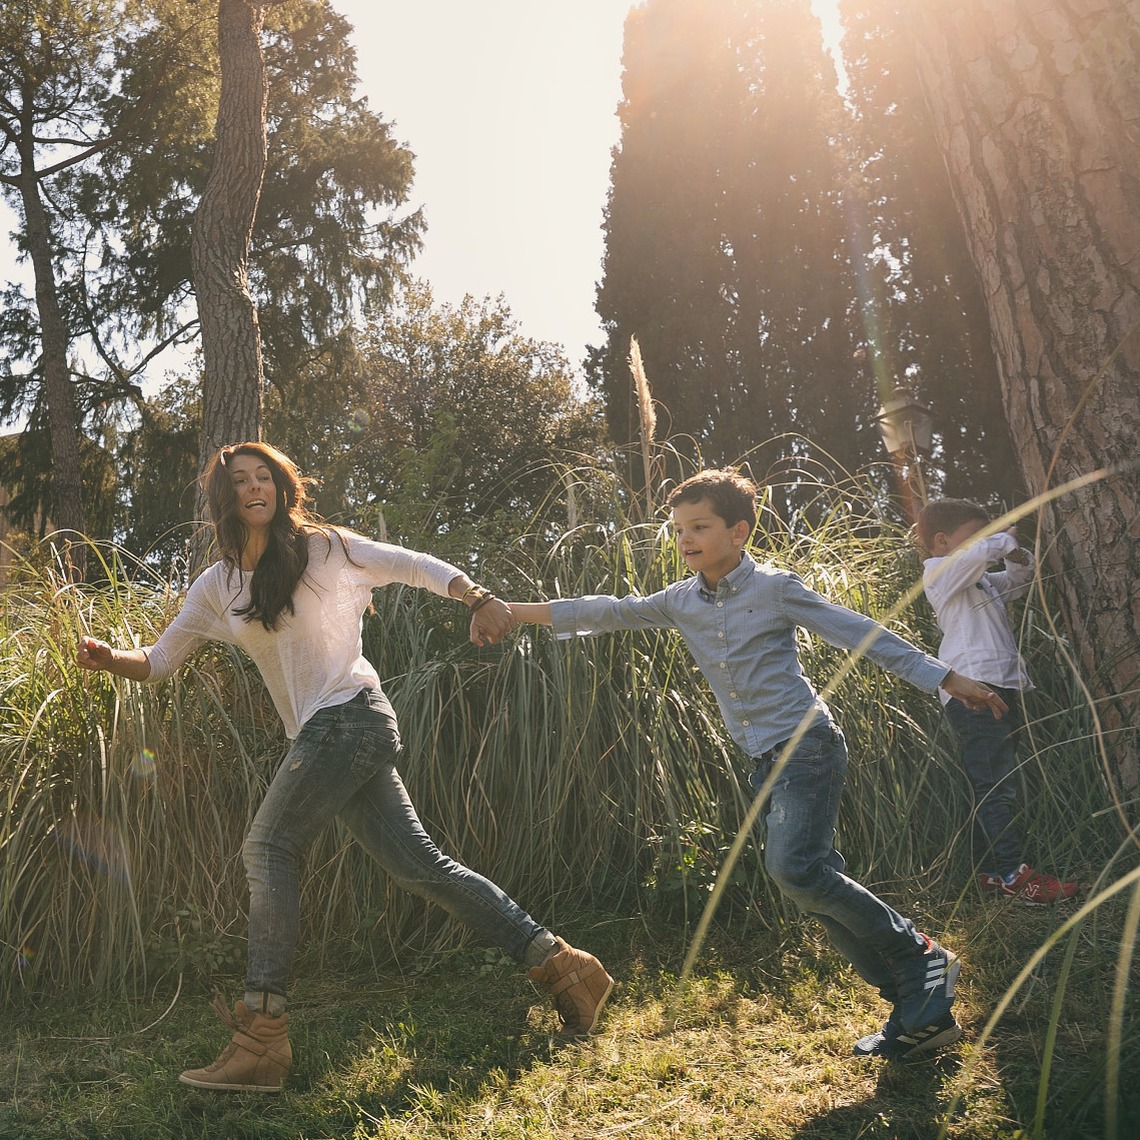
{"x":491,"y":621}
{"x":94,"y":654}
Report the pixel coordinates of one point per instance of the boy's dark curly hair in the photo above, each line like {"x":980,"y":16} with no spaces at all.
{"x":941,"y":516}
{"x":733,"y":495}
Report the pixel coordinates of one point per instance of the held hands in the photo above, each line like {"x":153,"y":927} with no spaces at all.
{"x":490,"y":622}
{"x":973,"y":694}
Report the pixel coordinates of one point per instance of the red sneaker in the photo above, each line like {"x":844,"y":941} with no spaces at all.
{"x":1029,"y":887}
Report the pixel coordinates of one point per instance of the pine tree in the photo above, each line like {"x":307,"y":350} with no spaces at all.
{"x":1034,"y":108}
{"x":330,"y":238}
{"x":61,"y":105}
{"x":666,"y":258}
{"x":786,"y":257}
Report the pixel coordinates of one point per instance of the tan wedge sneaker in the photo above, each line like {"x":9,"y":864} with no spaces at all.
{"x":257,"y":1058}
{"x":579,"y":985}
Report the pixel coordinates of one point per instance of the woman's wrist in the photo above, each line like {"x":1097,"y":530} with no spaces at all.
{"x":476,"y":596}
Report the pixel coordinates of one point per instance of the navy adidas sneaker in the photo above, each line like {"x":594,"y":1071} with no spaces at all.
{"x":926,"y":984}
{"x":896,"y":1043}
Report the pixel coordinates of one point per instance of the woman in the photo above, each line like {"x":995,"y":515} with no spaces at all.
{"x":291,"y":592}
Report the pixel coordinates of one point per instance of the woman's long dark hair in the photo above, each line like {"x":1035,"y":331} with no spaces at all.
{"x":282,"y":566}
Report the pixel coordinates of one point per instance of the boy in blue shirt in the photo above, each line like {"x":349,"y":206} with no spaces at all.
{"x":739,"y":619}
{"x":969,"y":602}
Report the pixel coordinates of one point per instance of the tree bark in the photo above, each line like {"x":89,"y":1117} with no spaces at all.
{"x":233,"y":378}
{"x":68,"y":514}
{"x":1037,"y":113}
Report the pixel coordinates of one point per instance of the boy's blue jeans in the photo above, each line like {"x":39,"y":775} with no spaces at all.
{"x":343,"y":764}
{"x":800,"y":856}
{"x":989,"y":754}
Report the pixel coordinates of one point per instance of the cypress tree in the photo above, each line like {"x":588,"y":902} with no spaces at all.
{"x":726,"y":250}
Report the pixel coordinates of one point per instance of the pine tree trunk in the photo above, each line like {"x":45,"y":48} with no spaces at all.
{"x":67,"y":509}
{"x":1037,"y":113}
{"x":231,"y":343}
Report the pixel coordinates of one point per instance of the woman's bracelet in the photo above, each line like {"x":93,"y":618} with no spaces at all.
{"x":484,"y":598}
{"x":475,"y":594}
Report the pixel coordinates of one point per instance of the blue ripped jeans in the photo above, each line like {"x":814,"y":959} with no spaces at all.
{"x":343,"y":764}
{"x":800,"y":857}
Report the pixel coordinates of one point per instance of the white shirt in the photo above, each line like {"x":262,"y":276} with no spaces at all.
{"x":969,"y":603}
{"x":315,"y":658}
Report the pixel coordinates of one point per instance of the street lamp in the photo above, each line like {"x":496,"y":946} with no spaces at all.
{"x":907,"y":427}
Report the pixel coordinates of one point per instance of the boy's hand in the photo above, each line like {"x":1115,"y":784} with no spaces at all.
{"x":1020,"y":556}
{"x":490,"y":622}
{"x":973,"y":694}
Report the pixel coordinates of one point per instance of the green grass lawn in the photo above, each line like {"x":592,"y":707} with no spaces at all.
{"x":757,"y":1046}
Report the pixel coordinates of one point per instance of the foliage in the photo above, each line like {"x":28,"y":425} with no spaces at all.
{"x":29,"y":453}
{"x":577,"y":776}
{"x":786,"y":256}
{"x":57,"y":93}
{"x":449,"y":429}
{"x":443,"y":430}
{"x":157,"y":469}
{"x":757,"y":1045}
{"x":333,"y":232}
{"x":621,"y":738}
{"x":331,"y":237}
{"x":725,"y":237}
{"x":57,"y":111}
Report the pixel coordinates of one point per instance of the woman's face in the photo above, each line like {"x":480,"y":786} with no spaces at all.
{"x":254,"y":489}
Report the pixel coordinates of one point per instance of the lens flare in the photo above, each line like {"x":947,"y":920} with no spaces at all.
{"x":143,"y":765}
{"x":96,"y":844}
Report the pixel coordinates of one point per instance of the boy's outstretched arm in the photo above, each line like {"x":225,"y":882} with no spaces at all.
{"x":536,"y":612}
{"x":973,"y":694}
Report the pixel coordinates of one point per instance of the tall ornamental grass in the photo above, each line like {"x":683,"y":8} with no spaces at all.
{"x":589,"y":775}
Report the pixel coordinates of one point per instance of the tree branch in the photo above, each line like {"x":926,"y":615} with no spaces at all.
{"x":128,"y":124}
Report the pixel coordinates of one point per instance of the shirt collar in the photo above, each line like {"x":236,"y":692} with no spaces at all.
{"x":731,"y":582}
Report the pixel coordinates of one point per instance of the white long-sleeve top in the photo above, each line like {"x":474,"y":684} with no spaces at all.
{"x":315,"y":658}
{"x":969,"y":602}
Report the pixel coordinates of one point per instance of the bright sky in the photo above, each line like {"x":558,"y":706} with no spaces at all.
{"x":510,"y":109}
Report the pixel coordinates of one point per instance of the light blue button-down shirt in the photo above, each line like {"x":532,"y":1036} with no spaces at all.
{"x":743,"y":637}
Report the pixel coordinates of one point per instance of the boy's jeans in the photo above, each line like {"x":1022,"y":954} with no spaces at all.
{"x":800,"y":856}
{"x":343,"y":764}
{"x":989,"y":755}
